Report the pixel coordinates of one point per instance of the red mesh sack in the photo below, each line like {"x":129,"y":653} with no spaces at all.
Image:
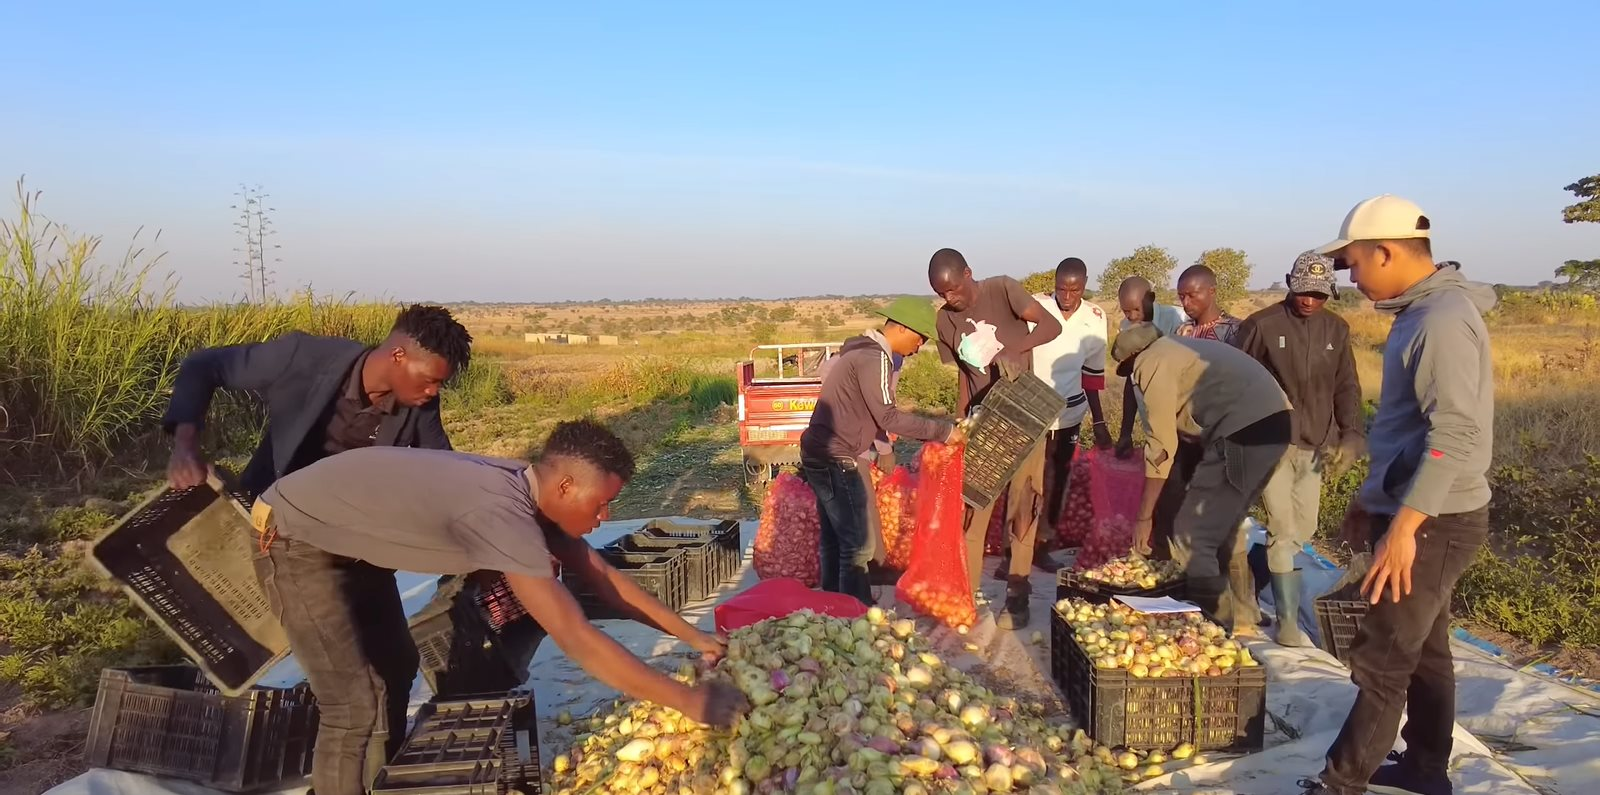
{"x":935,"y":583}
{"x":780,"y":597}
{"x":1116,"y":487}
{"x":1077,"y":509}
{"x":789,"y":542}
{"x":897,"y":514}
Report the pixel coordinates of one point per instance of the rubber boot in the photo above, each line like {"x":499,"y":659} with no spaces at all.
{"x":1286,"y":600}
{"x":1015,"y":614}
{"x":1246,"y":604}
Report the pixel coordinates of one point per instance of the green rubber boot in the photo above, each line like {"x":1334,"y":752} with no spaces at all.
{"x":1286,"y":600}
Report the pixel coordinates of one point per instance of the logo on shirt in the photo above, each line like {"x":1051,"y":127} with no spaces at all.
{"x":1097,"y":312}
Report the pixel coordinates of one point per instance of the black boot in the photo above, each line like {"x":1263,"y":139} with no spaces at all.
{"x":1003,"y":571}
{"x":1015,"y":615}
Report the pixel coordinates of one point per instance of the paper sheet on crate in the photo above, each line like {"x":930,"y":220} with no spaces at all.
{"x":1158,"y":605}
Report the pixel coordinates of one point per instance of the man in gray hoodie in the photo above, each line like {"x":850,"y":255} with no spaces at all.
{"x":837,"y":450}
{"x":1425,"y":504}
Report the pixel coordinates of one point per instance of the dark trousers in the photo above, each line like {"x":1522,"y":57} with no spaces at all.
{"x":1059,"y":448}
{"x":1401,"y":659}
{"x":348,"y":632}
{"x":842,"y":506}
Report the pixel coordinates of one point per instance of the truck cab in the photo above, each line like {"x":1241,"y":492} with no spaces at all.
{"x":778,"y":389}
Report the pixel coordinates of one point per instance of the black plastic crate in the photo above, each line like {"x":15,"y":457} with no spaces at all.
{"x":1116,"y":708}
{"x":485,"y":745}
{"x":699,"y":568}
{"x":1339,"y":620}
{"x":665,"y":575}
{"x":1013,"y":419}
{"x":460,"y":653}
{"x":1073,"y":584}
{"x":169,"y":721}
{"x":727,"y":551}
{"x":184,"y":557}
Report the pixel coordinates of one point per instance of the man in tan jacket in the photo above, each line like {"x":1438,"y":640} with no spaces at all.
{"x":1234,"y":421}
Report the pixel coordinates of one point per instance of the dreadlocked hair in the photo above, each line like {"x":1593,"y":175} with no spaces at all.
{"x":590,"y":441}
{"x":437,"y":332}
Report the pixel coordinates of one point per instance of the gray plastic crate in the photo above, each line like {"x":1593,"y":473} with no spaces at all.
{"x":1012,"y":419}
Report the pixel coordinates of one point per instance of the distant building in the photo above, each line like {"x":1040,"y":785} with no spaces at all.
{"x":577,"y":339}
{"x":553,"y":339}
{"x":606,"y":339}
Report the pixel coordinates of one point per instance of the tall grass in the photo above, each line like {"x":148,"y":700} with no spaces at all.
{"x":88,"y":351}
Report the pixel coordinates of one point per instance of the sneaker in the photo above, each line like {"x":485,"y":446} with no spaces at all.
{"x":1311,"y":786}
{"x":1403,"y":779}
{"x":1043,"y":562}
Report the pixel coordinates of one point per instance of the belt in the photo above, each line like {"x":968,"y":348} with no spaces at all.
{"x":261,"y":521}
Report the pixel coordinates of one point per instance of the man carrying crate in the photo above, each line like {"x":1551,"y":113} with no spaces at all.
{"x":855,"y":410}
{"x":1424,"y":506}
{"x":444,"y":512}
{"x":989,"y":329}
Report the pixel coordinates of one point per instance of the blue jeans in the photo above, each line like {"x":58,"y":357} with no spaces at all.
{"x":842,"y":505}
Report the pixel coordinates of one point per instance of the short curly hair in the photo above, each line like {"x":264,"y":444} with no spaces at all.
{"x":587,"y":440}
{"x":438,"y":332}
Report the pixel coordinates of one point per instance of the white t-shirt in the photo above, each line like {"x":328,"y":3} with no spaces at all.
{"x":1168,"y":319}
{"x":1075,"y":360}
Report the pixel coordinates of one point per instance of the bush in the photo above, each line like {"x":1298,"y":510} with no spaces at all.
{"x":1540,"y":579}
{"x":928,"y":384}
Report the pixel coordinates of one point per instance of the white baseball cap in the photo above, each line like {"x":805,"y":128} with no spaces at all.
{"x":1386,"y":217}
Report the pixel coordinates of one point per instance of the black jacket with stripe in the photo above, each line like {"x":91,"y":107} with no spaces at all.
{"x":857,"y":403}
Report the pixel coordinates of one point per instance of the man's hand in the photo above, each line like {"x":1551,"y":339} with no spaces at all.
{"x":1102,"y":436}
{"x":1356,"y":529}
{"x":1341,"y":458}
{"x":1124,"y":446}
{"x":712,"y":648}
{"x":717,"y":703}
{"x":186,"y":468}
{"x":1141,"y":537}
{"x":1012,"y":364}
{"x":1391,"y":566}
{"x":958,"y":434}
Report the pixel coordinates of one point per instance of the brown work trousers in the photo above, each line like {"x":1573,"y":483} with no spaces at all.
{"x":1024,"y":499}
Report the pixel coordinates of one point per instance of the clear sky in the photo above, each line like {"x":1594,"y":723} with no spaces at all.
{"x":550,"y":151}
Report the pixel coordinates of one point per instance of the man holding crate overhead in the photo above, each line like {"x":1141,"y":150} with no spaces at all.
{"x":989,"y":329}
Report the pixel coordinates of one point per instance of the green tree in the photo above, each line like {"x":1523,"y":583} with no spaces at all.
{"x":1041,"y":282}
{"x":1580,"y":274}
{"x":863,"y":305}
{"x":781,"y":314}
{"x":764,"y":333}
{"x":1152,"y":262}
{"x":1233,"y":273}
{"x":1587,"y":210}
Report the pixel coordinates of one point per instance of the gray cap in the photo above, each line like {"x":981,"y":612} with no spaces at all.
{"x":1130,"y":342}
{"x":1313,"y":273}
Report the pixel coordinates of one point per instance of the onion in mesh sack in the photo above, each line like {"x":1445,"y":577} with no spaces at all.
{"x":788,"y":544}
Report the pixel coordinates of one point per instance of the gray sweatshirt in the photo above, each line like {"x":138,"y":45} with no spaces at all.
{"x":1433,"y":435}
{"x":857,"y":403}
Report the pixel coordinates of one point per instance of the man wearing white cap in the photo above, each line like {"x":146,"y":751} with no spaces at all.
{"x":1424,"y":505}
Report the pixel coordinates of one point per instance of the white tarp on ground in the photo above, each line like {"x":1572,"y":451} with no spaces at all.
{"x":1533,"y":735}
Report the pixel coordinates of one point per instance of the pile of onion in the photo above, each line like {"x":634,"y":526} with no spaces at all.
{"x":788,"y":544}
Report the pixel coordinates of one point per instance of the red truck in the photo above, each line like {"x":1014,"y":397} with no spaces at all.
{"x":775,"y":407}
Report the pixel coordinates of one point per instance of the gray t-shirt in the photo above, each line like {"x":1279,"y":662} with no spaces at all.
{"x":427,"y":511}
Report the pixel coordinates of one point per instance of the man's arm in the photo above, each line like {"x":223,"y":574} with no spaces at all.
{"x":1347,"y":392}
{"x":1447,"y":378}
{"x":1094,"y":381}
{"x":620,"y":591}
{"x":873,"y":379}
{"x":1045,"y":325}
{"x":549,"y":603}
{"x":253,"y":366}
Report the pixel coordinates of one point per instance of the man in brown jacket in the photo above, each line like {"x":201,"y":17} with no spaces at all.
{"x":1216,"y":399}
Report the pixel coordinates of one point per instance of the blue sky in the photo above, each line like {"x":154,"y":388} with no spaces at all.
{"x":544,"y":151}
